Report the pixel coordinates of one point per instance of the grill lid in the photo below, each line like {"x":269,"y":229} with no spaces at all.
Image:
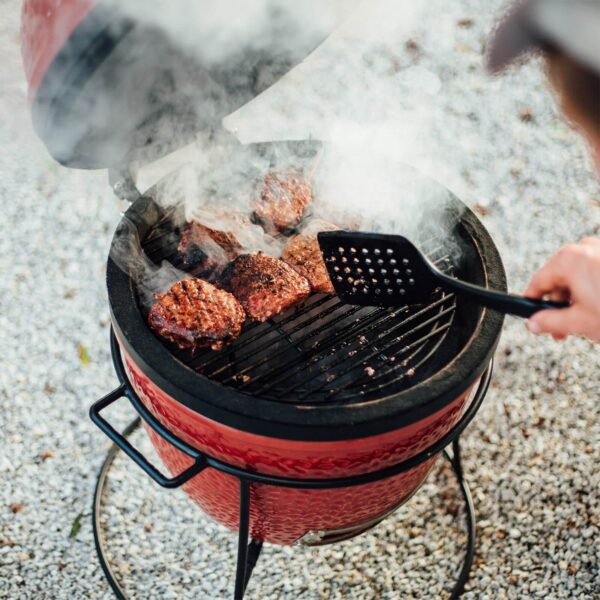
{"x":123,"y":90}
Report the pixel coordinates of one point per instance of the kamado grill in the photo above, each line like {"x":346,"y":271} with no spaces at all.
{"x":310,"y":428}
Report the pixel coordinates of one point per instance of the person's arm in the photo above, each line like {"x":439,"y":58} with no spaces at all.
{"x":572,"y":274}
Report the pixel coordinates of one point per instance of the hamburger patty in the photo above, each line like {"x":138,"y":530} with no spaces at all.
{"x":264,"y":285}
{"x":303,"y":254}
{"x":283,"y":199}
{"x":196,"y":314}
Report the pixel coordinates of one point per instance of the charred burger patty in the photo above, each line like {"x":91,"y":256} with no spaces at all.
{"x":283,"y":200}
{"x":264,"y":285}
{"x":196,"y":314}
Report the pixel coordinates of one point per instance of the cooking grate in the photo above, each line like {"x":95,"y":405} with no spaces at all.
{"x":324,"y":351}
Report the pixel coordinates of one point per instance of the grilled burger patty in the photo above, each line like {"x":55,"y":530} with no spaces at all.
{"x":283,"y":199}
{"x":303,"y":254}
{"x":264,"y":285}
{"x":205,"y":250}
{"x":196,"y":314}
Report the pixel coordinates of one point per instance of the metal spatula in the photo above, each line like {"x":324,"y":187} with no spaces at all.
{"x":371,"y":269}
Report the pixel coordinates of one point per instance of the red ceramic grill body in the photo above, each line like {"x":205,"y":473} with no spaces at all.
{"x":298,"y":441}
{"x":282,"y":515}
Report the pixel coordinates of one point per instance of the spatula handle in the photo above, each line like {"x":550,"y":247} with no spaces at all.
{"x":511,"y":304}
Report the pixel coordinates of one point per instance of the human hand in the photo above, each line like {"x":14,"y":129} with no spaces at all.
{"x":573,"y":275}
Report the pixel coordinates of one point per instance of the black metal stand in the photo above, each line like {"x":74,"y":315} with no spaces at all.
{"x":249,"y":550}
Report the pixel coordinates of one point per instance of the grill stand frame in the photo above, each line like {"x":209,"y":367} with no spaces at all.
{"x":248,"y":549}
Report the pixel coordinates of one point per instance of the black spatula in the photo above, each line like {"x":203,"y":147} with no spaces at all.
{"x":371,"y":269}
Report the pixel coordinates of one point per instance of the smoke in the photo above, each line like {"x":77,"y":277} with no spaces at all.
{"x":359,"y":93}
{"x":151,"y":279}
{"x":219,"y":32}
{"x":229,"y":93}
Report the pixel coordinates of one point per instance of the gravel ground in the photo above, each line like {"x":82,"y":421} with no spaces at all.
{"x":531,"y":454}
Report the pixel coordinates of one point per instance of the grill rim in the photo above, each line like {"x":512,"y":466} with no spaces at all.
{"x":329,"y":422}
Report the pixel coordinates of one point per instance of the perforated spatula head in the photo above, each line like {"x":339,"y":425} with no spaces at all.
{"x":372,"y":269}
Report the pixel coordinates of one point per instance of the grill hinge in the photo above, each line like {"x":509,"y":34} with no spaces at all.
{"x":123,"y":184}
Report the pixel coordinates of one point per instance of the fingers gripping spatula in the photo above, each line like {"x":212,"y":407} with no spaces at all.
{"x":371,"y":269}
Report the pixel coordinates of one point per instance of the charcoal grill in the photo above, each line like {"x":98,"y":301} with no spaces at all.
{"x":312,"y":427}
{"x":249,"y":550}
{"x":316,"y":425}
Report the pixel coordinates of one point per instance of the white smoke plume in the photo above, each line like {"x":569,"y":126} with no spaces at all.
{"x":359,"y":92}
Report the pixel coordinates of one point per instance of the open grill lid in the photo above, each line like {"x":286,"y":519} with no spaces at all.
{"x":108,"y":90}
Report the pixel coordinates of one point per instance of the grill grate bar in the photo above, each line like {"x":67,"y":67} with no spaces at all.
{"x":165,"y":244}
{"x":151,"y":243}
{"x":349,"y":364}
{"x":397,"y":340}
{"x":406,"y":370}
{"x":355,"y":327}
{"x":277,"y":326}
{"x":271,"y":327}
{"x":404,"y":351}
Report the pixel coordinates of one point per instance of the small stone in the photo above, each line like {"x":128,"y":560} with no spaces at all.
{"x":6,"y":542}
{"x":571,"y":570}
{"x":526,"y":115}
{"x":515,"y":533}
{"x":411,"y":45}
{"x":526,"y":433}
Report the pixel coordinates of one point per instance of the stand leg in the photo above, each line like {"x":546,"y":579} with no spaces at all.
{"x":248,"y":553}
{"x":456,"y":459}
{"x":99,"y":540}
{"x":254,"y":549}
{"x":242,"y":557}
{"x":463,"y":576}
